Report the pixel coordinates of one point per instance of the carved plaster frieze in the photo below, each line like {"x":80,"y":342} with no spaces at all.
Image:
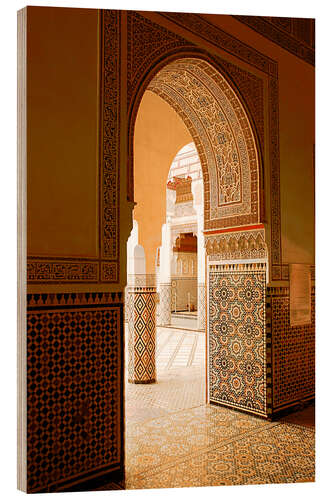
{"x":238,"y":245}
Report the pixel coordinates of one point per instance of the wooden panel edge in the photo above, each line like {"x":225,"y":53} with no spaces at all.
{"x":21,"y":248}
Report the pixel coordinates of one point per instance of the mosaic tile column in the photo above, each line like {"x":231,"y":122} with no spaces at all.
{"x":142,"y":335}
{"x":165,"y":304}
{"x":201,"y":306}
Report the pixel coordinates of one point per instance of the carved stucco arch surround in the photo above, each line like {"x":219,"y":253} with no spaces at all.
{"x":221,"y":131}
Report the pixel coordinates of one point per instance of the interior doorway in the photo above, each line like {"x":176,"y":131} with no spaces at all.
{"x":180,"y":339}
{"x":169,"y":194}
{"x":188,"y":110}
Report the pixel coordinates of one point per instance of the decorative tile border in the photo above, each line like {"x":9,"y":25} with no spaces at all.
{"x":208,"y":31}
{"x":293,"y":34}
{"x":274,"y":152}
{"x":60,"y":271}
{"x":146,"y":42}
{"x":110,"y":137}
{"x":37,"y":300}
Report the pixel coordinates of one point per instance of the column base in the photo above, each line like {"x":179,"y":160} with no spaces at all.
{"x":152,"y":381}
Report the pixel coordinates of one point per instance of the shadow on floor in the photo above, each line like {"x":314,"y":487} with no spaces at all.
{"x":305,"y":417}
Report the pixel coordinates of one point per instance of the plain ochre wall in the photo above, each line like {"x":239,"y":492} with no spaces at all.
{"x":158,"y":136}
{"x":62,"y":141}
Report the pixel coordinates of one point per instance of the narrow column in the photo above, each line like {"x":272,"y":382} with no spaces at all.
{"x":142,"y":334}
{"x":165,"y":304}
{"x":201,"y":306}
{"x":165,"y":276}
{"x":201,"y":297}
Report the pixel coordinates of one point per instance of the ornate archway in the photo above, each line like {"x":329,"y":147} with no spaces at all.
{"x":223,"y":135}
{"x":225,"y":140}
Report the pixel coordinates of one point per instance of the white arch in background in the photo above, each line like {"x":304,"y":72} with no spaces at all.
{"x":194,"y":219}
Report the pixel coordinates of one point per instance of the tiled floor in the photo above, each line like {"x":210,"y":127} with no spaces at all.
{"x":173,"y":439}
{"x":180,"y":377}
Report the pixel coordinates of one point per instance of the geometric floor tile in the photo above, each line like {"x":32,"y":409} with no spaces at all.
{"x":172,"y":393}
{"x":166,"y":440}
{"x":180,"y":359}
{"x":174,"y":439}
{"x":276,"y":453}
